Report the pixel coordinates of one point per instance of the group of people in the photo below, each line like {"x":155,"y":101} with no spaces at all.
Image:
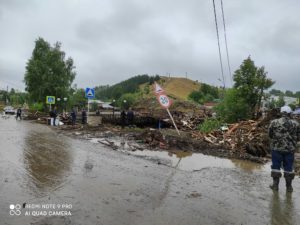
{"x":83,"y":116}
{"x":129,"y":116}
{"x":73,"y":115}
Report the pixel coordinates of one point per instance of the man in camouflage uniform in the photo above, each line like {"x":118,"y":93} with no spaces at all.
{"x":284,"y":133}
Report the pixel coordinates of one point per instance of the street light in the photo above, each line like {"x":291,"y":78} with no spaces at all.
{"x":113,"y":104}
{"x":124,"y":101}
{"x":65,"y":99}
{"x":58,"y":100}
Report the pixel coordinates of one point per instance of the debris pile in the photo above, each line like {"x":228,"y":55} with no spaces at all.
{"x":246,"y":137}
{"x":187,"y":115}
{"x":168,"y":139}
{"x":39,"y":117}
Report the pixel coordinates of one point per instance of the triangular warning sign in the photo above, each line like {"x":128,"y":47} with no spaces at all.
{"x":158,"y":89}
{"x":90,"y":93}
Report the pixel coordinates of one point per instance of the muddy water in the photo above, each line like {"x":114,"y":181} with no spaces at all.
{"x":189,"y":161}
{"x":98,"y":185}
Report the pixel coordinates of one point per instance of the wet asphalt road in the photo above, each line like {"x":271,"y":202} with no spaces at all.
{"x":97,"y":185}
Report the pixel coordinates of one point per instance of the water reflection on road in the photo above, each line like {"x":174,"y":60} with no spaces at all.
{"x":46,"y":160}
{"x":196,"y":161}
{"x":282,"y":210}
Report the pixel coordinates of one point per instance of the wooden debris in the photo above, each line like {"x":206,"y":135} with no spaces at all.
{"x":245,"y":137}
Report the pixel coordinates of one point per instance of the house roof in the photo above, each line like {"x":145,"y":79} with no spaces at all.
{"x":95,"y":101}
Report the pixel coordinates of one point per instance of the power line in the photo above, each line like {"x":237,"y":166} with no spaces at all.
{"x":12,"y":84}
{"x":220,"y":56}
{"x":228,"y":61}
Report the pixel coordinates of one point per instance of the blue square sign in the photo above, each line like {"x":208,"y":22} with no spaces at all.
{"x":90,"y":93}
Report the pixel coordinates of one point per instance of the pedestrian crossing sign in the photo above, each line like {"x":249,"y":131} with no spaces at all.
{"x":90,"y":93}
{"x":50,"y":100}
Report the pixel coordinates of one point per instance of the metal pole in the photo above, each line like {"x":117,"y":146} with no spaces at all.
{"x":173,"y":121}
{"x":6,"y":103}
{"x":87,"y":116}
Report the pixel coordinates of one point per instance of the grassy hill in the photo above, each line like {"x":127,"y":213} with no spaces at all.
{"x":178,"y":87}
{"x":140,"y":88}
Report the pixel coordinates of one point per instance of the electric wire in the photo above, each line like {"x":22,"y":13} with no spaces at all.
{"x":225,"y":37}
{"x":220,"y":56}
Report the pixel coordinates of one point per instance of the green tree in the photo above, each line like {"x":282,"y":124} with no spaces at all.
{"x":78,"y":98}
{"x":126,"y":101}
{"x":48,"y":72}
{"x":280,"y":102}
{"x":209,"y":90}
{"x":272,"y":104}
{"x":263,"y":83}
{"x":234,"y":107}
{"x":276,"y":92}
{"x":196,"y":96}
{"x":206,"y":93}
{"x":289,"y":93}
{"x":251,"y":83}
{"x":293,"y":106}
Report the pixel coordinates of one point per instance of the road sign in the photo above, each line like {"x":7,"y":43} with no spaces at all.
{"x":164,"y":101}
{"x":50,"y":100}
{"x":90,"y":93}
{"x":158,"y":89}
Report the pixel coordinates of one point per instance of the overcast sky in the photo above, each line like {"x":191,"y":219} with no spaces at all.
{"x":112,"y":40}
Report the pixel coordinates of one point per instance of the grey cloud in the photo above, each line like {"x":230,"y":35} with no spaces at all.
{"x":111,"y":40}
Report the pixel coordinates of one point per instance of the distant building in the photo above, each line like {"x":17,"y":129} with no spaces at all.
{"x":287,"y":100}
{"x":107,"y":105}
{"x":101,"y":104}
{"x":98,"y":102}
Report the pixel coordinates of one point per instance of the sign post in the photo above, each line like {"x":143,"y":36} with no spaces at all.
{"x":89,"y":94}
{"x":164,"y":101}
{"x":50,"y":100}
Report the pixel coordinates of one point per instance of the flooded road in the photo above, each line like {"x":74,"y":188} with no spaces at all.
{"x":49,"y":178}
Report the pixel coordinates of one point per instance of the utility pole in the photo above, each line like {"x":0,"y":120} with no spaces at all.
{"x":6,"y":95}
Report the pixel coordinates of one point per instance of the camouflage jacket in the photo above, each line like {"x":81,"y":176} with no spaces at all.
{"x":284,"y":134}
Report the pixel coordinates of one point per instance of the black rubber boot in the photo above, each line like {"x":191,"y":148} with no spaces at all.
{"x":288,"y":180}
{"x":276,"y":177}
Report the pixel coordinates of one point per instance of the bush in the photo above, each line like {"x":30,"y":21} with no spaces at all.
{"x":37,"y":107}
{"x":195,"y":96}
{"x":233,"y":108}
{"x":209,"y":125}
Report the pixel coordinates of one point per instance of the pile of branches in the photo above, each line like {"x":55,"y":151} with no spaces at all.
{"x":246,"y":137}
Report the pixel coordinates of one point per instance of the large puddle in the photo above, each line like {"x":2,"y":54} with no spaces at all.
{"x":187,"y":161}
{"x":196,"y":161}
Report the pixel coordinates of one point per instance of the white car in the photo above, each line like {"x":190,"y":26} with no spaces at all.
{"x":9,"y":110}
